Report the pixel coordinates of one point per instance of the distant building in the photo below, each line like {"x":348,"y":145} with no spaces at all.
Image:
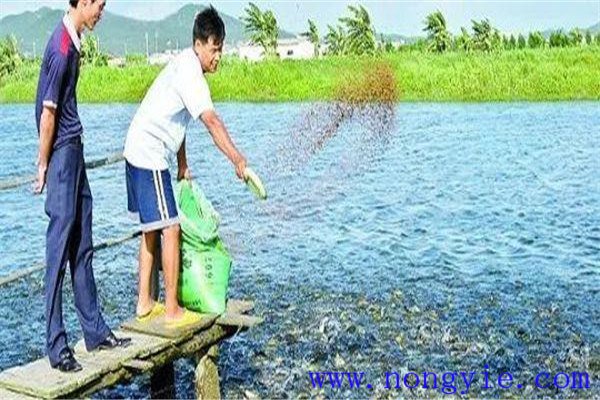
{"x":162,"y":58}
{"x":295,"y":48}
{"x":249,"y":52}
{"x":116,"y":62}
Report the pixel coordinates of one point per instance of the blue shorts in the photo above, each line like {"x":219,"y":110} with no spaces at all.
{"x":150,"y":198}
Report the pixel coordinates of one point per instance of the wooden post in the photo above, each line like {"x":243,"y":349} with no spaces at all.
{"x":207,"y":375}
{"x":162,"y":381}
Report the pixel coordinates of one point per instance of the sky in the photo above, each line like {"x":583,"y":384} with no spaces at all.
{"x":389,"y":16}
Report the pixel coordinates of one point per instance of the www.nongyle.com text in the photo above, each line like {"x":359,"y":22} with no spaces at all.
{"x":449,"y":382}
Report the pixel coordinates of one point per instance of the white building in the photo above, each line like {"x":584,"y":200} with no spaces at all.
{"x":116,"y":62}
{"x":162,"y":58}
{"x":249,"y":52}
{"x":295,"y":48}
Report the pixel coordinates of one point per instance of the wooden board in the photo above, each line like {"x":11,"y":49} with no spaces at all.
{"x":38,"y":379}
{"x":153,"y":345}
{"x":235,"y":315}
{"x":239,"y":306}
{"x":157,"y":327}
{"x":239,"y":320}
{"x":8,"y":395}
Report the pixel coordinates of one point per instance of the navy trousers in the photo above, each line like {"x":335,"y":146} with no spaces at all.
{"x":69,"y":240}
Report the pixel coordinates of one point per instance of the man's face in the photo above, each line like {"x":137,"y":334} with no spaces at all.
{"x":209,"y":53}
{"x":92,"y":12}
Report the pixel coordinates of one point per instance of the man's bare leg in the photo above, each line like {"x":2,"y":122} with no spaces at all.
{"x":170,"y":262}
{"x":146,"y":261}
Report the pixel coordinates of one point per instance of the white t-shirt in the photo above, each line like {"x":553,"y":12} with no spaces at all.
{"x":179,"y":93}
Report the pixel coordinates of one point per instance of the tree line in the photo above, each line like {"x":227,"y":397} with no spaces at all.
{"x":354,"y":34}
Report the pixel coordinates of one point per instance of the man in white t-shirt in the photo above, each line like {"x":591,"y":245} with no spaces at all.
{"x":157,"y":133}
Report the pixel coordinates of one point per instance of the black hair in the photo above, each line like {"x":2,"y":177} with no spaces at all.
{"x":208,"y":23}
{"x":73,"y":3}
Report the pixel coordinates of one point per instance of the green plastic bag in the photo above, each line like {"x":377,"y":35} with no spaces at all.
{"x":205,"y":263}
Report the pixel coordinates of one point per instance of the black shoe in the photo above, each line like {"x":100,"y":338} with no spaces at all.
{"x":67,"y":362}
{"x":112,"y":342}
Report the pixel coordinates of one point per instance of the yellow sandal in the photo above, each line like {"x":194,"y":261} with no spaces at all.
{"x":188,"y":318}
{"x":156,"y":310}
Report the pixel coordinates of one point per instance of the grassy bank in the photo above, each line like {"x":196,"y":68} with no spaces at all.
{"x":531,"y":75}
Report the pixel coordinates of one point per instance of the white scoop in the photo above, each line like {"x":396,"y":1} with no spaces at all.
{"x":254,"y":183}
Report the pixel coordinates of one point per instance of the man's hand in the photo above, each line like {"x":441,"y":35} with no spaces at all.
{"x":223,"y":141}
{"x":240,"y":166}
{"x":40,"y":182}
{"x":184,"y":173}
{"x":47,"y":132}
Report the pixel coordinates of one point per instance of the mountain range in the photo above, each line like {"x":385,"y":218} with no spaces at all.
{"x":120,"y":35}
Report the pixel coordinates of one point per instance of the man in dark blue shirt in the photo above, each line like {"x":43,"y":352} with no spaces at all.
{"x":69,"y":200}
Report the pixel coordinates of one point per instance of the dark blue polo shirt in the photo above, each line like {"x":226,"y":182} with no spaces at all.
{"x":57,"y":85}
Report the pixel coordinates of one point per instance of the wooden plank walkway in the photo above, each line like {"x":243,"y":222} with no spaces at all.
{"x":153,"y":346}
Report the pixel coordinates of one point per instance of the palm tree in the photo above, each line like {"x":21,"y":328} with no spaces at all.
{"x":437,"y":32}
{"x":272,"y":32}
{"x":536,"y":40}
{"x":485,"y":36}
{"x":463,"y":41}
{"x":522,"y":43}
{"x":90,"y":52}
{"x":576,"y":37}
{"x":558,"y":39}
{"x":385,"y":45}
{"x":313,"y":36}
{"x":336,"y":40}
{"x":505,"y":42}
{"x":10,"y":56}
{"x":361,"y":35}
{"x":513,"y":42}
{"x":262,"y":27}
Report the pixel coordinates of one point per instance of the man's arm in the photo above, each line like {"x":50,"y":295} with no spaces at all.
{"x":57,"y":70}
{"x":223,"y":141}
{"x":182,"y":165}
{"x":47,"y":130}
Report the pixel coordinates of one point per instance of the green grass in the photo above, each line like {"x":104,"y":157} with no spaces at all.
{"x":529,"y":75}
